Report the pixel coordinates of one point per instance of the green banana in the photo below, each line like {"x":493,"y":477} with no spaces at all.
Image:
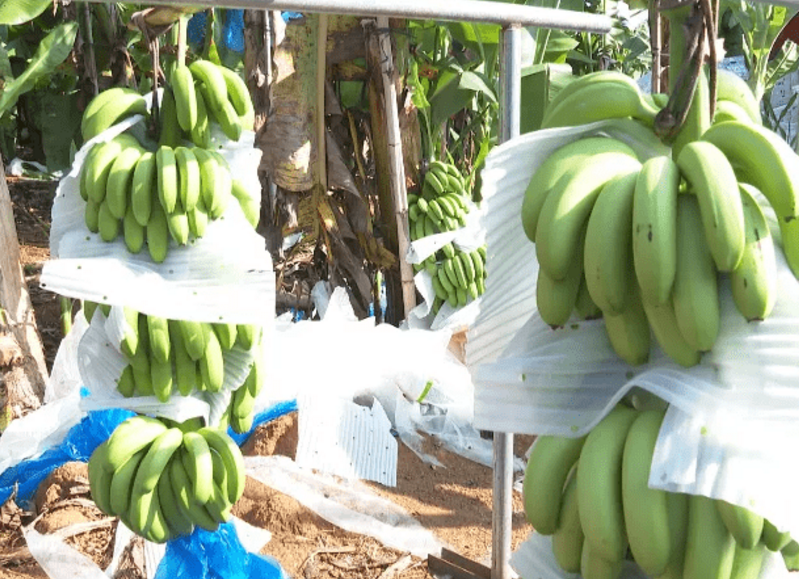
{"x":249,"y":206}
{"x":239,"y":95}
{"x":212,"y":366}
{"x":600,"y":494}
{"x":181,"y":487}
{"x":195,"y":337}
{"x":696,"y":296}
{"x":156,"y":460}
{"x":167,"y":177}
{"x":584,"y":306}
{"x":185,"y":99}
{"x":774,"y":539}
{"x":730,"y":111}
{"x":188,"y":177}
{"x":218,"y":507}
{"x":132,"y":232}
{"x":226,"y":334}
{"x":608,"y":245}
{"x":596,"y":100}
{"x":568,"y":538}
{"x":712,"y":179}
{"x":565,"y":211}
{"x":747,"y":563}
{"x":654,"y":228}
{"x":170,"y":134}
{"x":709,"y":546}
{"x":97,"y":103}
{"x":790,"y":556}
{"x":629,"y":332}
{"x":754,"y":281}
{"x":548,"y":466}
{"x":556,"y":299}
{"x":216,"y":183}
{"x":157,"y":234}
{"x":663,"y":321}
{"x":98,"y":164}
{"x":677,"y":504}
{"x":732,"y":88}
{"x":120,"y":176}
{"x":231,"y":456}
{"x":142,"y":188}
{"x":158,"y":332}
{"x":199,"y":466}
{"x":161,"y":379}
{"x":565,"y":160}
{"x":130,"y":437}
{"x":745,"y":525}
{"x":177,"y":223}
{"x":107,"y":223}
{"x":211,"y":76}
{"x":200,"y":133}
{"x":100,"y":478}
{"x":130,"y":338}
{"x":594,"y":566}
{"x":91,"y":216}
{"x":122,"y":483}
{"x":114,"y":109}
{"x":126,"y":384}
{"x":646,"y":511}
{"x":185,"y":367}
{"x":177,"y":520}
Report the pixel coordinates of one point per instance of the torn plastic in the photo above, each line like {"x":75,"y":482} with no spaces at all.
{"x":732,"y":417}
{"x":101,"y":363}
{"x":350,"y":505}
{"x":225,"y":276}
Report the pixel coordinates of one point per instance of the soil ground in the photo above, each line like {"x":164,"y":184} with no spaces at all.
{"x":454,"y":502}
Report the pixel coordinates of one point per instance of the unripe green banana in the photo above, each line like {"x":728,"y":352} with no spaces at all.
{"x":239,"y":95}
{"x":161,"y":379}
{"x":155,"y":461}
{"x":597,"y":100}
{"x":199,"y":466}
{"x":158,"y":332}
{"x":141,"y":361}
{"x":143,"y":187}
{"x":655,"y":228}
{"x":170,"y":134}
{"x":185,"y":367}
{"x":91,"y":216}
{"x":188,"y":177}
{"x":97,"y":103}
{"x":677,"y":504}
{"x":157,"y":234}
{"x":608,"y":245}
{"x":181,"y":487}
{"x":232,"y":458}
{"x":646,"y":511}
{"x":120,"y":176}
{"x":594,"y":566}
{"x":130,"y":437}
{"x":218,"y":507}
{"x":100,"y":478}
{"x":198,"y":220}
{"x":609,"y":78}
{"x":195,"y":337}
{"x":178,"y":224}
{"x":790,"y":556}
{"x":556,"y":299}
{"x":696,"y":296}
{"x":212,"y":366}
{"x":754,"y":281}
{"x":732,"y":88}
{"x":747,"y":563}
{"x":564,"y":214}
{"x":745,"y":525}
{"x":177,"y":520}
{"x":111,"y":111}
{"x":185,"y":99}
{"x":226,"y":334}
{"x":211,"y":76}
{"x":246,"y":335}
{"x":132,"y":232}
{"x":730,"y":111}
{"x":712,"y":179}
{"x":629,"y":331}
{"x":215,"y":182}
{"x":663,"y":322}
{"x":774,"y":539}
{"x":249,"y":206}
{"x":99,"y":162}
{"x":122,"y":483}
{"x":548,"y":466}
{"x":709,"y":547}
{"x":107,"y":223}
{"x":167,"y":173}
{"x":568,"y":538}
{"x":126,"y":385}
{"x":201,"y":134}
{"x":584,"y":306}
{"x":600,"y":494}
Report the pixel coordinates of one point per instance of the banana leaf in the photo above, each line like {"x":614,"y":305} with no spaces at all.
{"x":19,"y":11}
{"x":53,"y":50}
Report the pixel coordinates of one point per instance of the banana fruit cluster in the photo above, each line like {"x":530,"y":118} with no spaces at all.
{"x":168,"y":356}
{"x":171,"y":190}
{"x":442,"y":204}
{"x":163,"y":480}
{"x":458,"y":276}
{"x":642,"y":242}
{"x":609,"y":514}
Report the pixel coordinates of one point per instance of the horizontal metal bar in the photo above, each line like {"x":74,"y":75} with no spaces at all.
{"x":451,"y":10}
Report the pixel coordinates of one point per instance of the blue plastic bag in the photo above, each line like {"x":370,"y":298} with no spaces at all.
{"x":234,"y":30}
{"x":78,"y":445}
{"x":215,"y":555}
{"x":275,"y":411}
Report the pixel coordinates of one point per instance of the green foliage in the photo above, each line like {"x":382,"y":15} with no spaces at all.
{"x":20,"y":11}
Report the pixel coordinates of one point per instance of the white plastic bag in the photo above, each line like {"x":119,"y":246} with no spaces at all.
{"x":732,"y":417}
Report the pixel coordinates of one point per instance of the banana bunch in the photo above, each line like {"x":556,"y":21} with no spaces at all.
{"x":109,"y":108}
{"x":240,"y":412}
{"x":642,"y":242}
{"x":169,"y":356}
{"x":163,"y":480}
{"x":599,"y":519}
{"x":458,"y":276}
{"x":442,"y":204}
{"x":154,"y":196}
{"x":201,"y":93}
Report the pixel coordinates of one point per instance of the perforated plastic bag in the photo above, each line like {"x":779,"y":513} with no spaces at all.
{"x":733,"y":417}
{"x":224,"y":276}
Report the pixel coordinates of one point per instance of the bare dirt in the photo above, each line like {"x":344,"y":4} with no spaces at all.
{"x":454,"y":502}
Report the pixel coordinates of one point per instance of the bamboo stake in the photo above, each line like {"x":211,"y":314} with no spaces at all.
{"x":396,"y":166}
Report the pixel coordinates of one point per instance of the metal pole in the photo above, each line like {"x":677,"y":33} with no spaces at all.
{"x":460,"y":11}
{"x":509,"y":121}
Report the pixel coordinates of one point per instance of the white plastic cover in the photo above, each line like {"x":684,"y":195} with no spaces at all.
{"x":733,"y":418}
{"x":226,"y":275}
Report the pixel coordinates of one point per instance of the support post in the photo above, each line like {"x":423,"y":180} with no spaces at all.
{"x":509,"y":123}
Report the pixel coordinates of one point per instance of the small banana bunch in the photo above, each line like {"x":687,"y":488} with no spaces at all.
{"x":163,"y":480}
{"x":109,"y":108}
{"x":642,"y":241}
{"x":591,"y":494}
{"x":442,"y":204}
{"x":457,"y":275}
{"x":166,"y":356}
{"x":200,"y":93}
